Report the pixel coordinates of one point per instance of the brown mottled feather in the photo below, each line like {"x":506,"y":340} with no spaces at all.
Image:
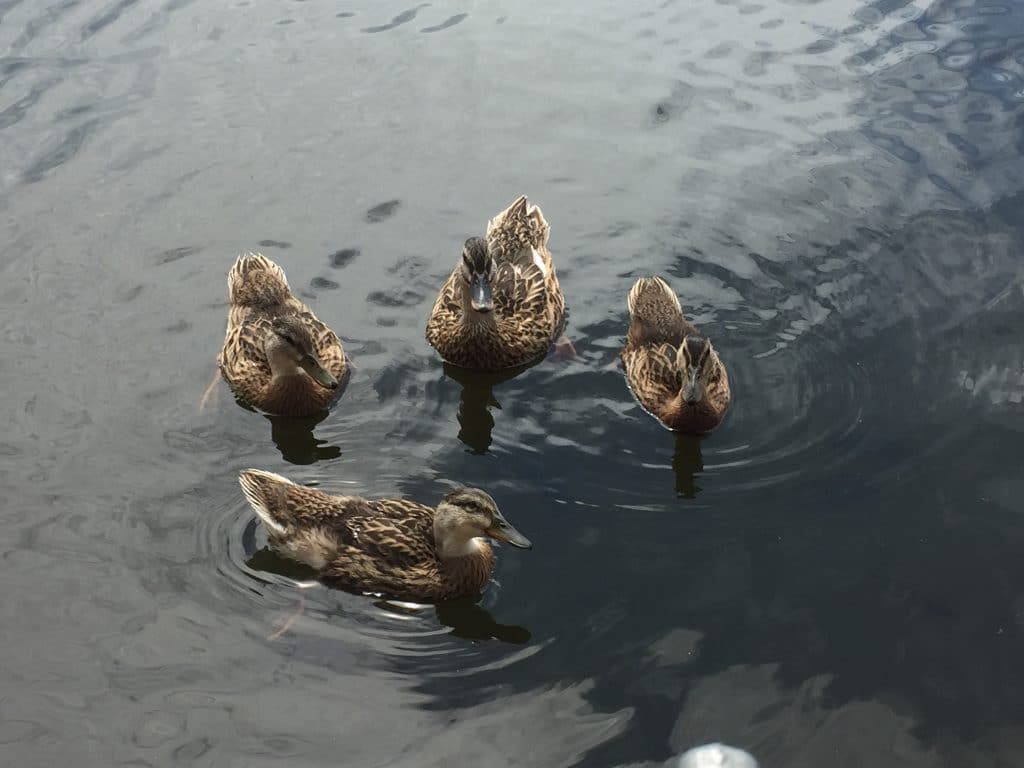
{"x":258,"y":291}
{"x":529,"y":308}
{"x":657,"y":328}
{"x":383,"y":546}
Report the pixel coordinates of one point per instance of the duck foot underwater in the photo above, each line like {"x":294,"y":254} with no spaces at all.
{"x":211,"y":389}
{"x":563,"y":349}
{"x":289,"y":621}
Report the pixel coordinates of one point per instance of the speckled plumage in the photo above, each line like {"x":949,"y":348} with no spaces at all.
{"x":259,"y":293}
{"x":529,"y":309}
{"x":384,"y":546}
{"x":651,"y":356}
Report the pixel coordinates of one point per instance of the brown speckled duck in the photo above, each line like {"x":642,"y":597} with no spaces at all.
{"x":277,"y":355}
{"x":502,"y":305}
{"x":672,"y":369}
{"x":394,"y":547}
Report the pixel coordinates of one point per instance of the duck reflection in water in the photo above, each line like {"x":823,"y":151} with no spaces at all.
{"x":469,"y":620}
{"x":687,"y":464}
{"x":466,"y":618}
{"x":295,"y":440}
{"x":476,"y":400}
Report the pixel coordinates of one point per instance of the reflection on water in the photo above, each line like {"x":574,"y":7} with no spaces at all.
{"x":834,"y":189}
{"x":467,"y":619}
{"x":295,"y":440}
{"x":476,"y":401}
{"x":687,"y":463}
{"x":471,"y":621}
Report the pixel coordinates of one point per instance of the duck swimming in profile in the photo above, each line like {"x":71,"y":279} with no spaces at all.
{"x":394,"y":547}
{"x":502,"y":306}
{"x":277,"y":355}
{"x":672,"y":369}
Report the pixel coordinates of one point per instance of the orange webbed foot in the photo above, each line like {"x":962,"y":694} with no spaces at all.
{"x":563,"y":349}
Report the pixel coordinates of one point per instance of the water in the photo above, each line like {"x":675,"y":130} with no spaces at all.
{"x":833,"y":578}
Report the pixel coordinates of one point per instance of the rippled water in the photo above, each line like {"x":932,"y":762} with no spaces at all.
{"x":833,"y":578}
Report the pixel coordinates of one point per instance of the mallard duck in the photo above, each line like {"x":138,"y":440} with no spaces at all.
{"x":502,"y":305}
{"x":395,"y":547}
{"x":277,"y":355}
{"x":672,"y":369}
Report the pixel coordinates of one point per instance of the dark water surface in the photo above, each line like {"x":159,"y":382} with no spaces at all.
{"x":834,"y":578}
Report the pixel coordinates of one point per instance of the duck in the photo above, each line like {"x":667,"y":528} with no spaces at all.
{"x":672,"y":369}
{"x":277,"y":356}
{"x":502,"y":306}
{"x":393,"y":547}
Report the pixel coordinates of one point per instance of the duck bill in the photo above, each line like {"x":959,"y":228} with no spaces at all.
{"x":318,"y":373}
{"x":693,"y":389}
{"x":503,"y":531}
{"x":480,"y":297}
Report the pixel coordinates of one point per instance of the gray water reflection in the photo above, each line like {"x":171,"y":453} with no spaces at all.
{"x":296,"y":441}
{"x":477,"y":401}
{"x":833,"y":577}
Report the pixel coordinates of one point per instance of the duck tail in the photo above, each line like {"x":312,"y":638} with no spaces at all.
{"x":255,"y":280}
{"x":521,"y":222}
{"x":265,"y":493}
{"x":651,"y":300}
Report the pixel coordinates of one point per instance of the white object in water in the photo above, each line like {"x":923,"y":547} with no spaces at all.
{"x":716,"y":756}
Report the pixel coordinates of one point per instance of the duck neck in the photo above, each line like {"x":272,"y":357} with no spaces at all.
{"x":678,"y":404}
{"x":290,"y":390}
{"x":468,"y":565}
{"x":697,"y":417}
{"x":455,"y":537}
{"x":455,"y":549}
{"x":465,"y":558}
{"x":281,"y":359}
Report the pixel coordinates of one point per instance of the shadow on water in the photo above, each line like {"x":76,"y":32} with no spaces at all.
{"x":687,"y":463}
{"x":476,"y":400}
{"x":471,"y":621}
{"x":295,"y":440}
{"x":268,"y":561}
